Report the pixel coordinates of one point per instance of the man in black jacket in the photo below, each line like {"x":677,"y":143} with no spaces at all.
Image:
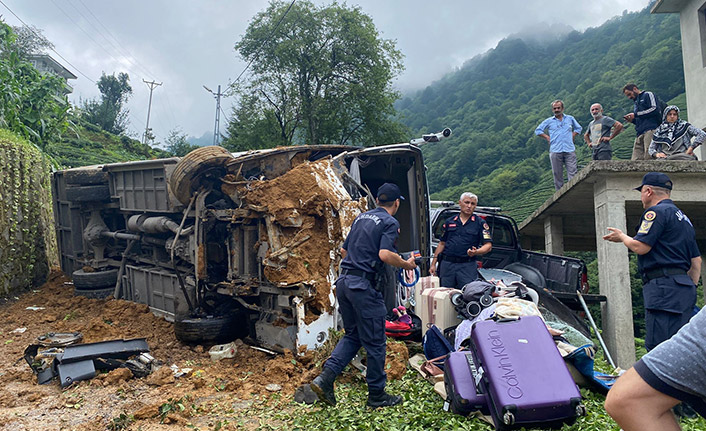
{"x":646,"y":115}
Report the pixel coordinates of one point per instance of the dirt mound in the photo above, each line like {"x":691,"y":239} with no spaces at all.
{"x":307,"y":209}
{"x":208,"y":389}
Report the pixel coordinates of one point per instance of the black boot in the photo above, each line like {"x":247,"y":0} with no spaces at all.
{"x":383,"y":399}
{"x":323,"y":386}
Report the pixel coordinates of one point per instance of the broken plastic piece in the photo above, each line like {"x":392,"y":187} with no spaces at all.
{"x":222,"y":351}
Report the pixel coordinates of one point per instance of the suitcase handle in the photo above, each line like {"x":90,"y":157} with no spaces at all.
{"x":508,"y":319}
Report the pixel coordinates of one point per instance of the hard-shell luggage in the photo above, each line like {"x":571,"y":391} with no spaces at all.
{"x":462,"y":394}
{"x":423,"y":284}
{"x":523,"y":374}
{"x":436,"y":308}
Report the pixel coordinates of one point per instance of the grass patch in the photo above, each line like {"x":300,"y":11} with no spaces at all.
{"x":422,"y":409}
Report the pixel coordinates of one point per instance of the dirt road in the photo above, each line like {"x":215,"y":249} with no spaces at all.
{"x":209,"y":397}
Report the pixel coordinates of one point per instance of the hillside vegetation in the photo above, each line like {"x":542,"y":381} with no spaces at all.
{"x":495,"y":101}
{"x":89,"y":145}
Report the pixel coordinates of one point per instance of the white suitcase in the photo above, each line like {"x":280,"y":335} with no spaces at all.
{"x":423,"y":284}
{"x":435,"y":307}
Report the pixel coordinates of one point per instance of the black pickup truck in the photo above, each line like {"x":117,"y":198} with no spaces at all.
{"x":561,"y":275}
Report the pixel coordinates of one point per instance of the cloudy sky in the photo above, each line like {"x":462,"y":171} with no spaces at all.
{"x":186,"y":45}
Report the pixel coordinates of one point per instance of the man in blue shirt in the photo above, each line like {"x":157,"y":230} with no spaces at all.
{"x":646,"y":116}
{"x":370,"y":242}
{"x":559,"y":131}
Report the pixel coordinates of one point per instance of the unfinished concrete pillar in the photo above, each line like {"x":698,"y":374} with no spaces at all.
{"x":614,"y":273}
{"x":554,"y":235}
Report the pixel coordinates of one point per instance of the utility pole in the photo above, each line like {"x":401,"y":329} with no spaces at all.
{"x":148,"y":132}
{"x":217,"y":126}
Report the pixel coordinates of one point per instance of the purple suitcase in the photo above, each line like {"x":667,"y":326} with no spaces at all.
{"x":523,"y":374}
{"x":462,"y":394}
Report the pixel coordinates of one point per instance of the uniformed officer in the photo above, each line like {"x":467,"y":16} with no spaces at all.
{"x":668,"y":259}
{"x":370,"y":242}
{"x":466,"y":236}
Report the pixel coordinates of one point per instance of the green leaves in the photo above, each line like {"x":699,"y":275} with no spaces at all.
{"x":32,"y":105}
{"x":108,"y":112}
{"x":320,"y":76}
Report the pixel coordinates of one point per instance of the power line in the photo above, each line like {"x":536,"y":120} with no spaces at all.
{"x":52,"y":49}
{"x":225,"y":115}
{"x":124,"y":52}
{"x":76,"y":24}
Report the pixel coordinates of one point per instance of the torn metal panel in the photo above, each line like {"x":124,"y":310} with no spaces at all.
{"x":116,"y":349}
{"x":75,"y":371}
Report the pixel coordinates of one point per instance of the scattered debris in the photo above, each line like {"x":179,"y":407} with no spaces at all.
{"x":223,"y":351}
{"x":220,"y":387}
{"x":34,"y":308}
{"x":179,"y":372}
{"x":19,"y":330}
{"x":59,"y":339}
{"x":273,"y":387}
{"x":76,"y":362}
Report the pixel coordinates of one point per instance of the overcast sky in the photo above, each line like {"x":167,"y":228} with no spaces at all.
{"x":188,"y":44}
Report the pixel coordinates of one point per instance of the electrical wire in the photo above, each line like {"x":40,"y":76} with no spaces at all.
{"x":117,"y":45}
{"x":52,"y":49}
{"x":90,"y":37}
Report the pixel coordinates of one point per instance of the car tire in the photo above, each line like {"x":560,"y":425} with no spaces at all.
{"x":95,"y":293}
{"x":96,"y":192}
{"x":85,"y":177}
{"x":209,"y":329}
{"x":184,"y":180}
{"x":94,"y":280}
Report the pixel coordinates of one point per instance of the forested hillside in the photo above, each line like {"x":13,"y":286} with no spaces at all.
{"x":495,"y":101}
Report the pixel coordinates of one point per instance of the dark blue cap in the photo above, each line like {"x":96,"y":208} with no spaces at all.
{"x":388,"y":192}
{"x":657,"y":179}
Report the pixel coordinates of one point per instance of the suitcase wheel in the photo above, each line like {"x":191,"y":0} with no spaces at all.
{"x":580,"y":410}
{"x":508,"y":418}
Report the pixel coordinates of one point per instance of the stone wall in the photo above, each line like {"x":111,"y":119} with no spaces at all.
{"x":27,"y":236}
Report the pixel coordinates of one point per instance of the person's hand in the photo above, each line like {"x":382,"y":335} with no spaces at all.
{"x":604,"y":139}
{"x":410,"y":264}
{"x":661,"y":156}
{"x":690,"y":151}
{"x":629,"y":117}
{"x":471,"y":251}
{"x":615,"y":235}
{"x":432,"y":268}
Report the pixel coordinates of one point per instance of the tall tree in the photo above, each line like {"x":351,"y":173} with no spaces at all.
{"x":109,"y":112}
{"x":320,"y":75}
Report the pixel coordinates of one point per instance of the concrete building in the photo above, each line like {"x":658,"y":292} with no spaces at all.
{"x":692,"y":19}
{"x":46,"y":64}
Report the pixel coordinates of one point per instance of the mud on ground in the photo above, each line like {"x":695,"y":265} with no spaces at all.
{"x":212,"y":394}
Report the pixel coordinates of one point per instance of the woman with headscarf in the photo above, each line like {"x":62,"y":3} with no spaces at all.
{"x":672,"y":139}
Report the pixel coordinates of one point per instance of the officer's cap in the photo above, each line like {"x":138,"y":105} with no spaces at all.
{"x":657,"y":179}
{"x":388,"y":192}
